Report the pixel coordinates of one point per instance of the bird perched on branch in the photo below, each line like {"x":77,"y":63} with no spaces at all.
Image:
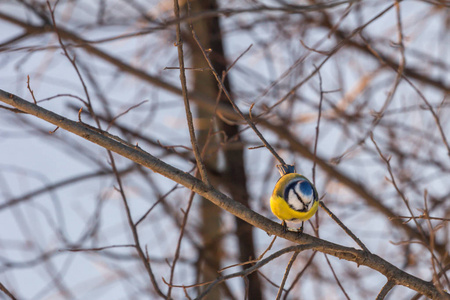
{"x":294,"y":198}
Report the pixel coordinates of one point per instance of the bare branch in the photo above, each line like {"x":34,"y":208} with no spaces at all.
{"x":141,"y":157}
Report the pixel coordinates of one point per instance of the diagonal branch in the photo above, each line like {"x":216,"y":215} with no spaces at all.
{"x":143,"y":158}
{"x":7,"y":292}
{"x":227,"y":112}
{"x":357,"y":188}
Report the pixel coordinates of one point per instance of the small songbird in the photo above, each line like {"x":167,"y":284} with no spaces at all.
{"x":294,"y":197}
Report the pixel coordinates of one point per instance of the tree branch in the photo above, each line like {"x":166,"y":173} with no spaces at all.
{"x":143,"y":158}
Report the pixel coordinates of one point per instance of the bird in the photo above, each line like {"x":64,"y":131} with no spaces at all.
{"x":294,"y":198}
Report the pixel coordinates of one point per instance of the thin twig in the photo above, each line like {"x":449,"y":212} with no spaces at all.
{"x":336,"y":278}
{"x":316,"y":140}
{"x":435,"y":116}
{"x":97,"y":248}
{"x":29,"y":88}
{"x":345,"y":228}
{"x":239,"y":210}
{"x":286,"y":273}
{"x":145,"y":260}
{"x":250,"y":261}
{"x":141,"y":254}
{"x":394,"y":183}
{"x":236,"y":108}
{"x":161,"y":198}
{"x":19,"y":199}
{"x":248,"y":271}
{"x":422,"y":216}
{"x":179,"y":44}
{"x":180,"y":238}
{"x":71,"y":59}
{"x":237,"y":59}
{"x":299,"y":275}
{"x":125,"y":112}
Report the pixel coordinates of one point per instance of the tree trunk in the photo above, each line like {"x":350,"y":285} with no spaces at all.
{"x":233,"y":177}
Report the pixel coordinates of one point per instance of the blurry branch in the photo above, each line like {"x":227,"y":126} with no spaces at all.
{"x":286,"y":273}
{"x":387,"y":161}
{"x":230,"y":114}
{"x":7,"y":292}
{"x":60,"y":184}
{"x":145,"y":259}
{"x":162,"y":25}
{"x":258,"y":265}
{"x":14,"y":39}
{"x":143,"y":158}
{"x":97,"y":248}
{"x":431,"y":240}
{"x":180,"y":238}
{"x":283,"y":8}
{"x":336,"y":278}
{"x":86,"y":45}
{"x":422,"y":216}
{"x":14,"y":110}
{"x":43,"y":257}
{"x":299,"y":275}
{"x":236,"y":108}
{"x":357,"y":188}
{"x":385,"y":58}
{"x":435,"y":116}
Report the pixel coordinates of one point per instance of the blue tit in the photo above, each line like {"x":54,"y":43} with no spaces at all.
{"x":294,"y":198}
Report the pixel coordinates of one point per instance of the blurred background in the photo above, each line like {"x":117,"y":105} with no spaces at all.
{"x":376,"y":72}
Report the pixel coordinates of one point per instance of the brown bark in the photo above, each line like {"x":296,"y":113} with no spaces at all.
{"x":234,"y":176}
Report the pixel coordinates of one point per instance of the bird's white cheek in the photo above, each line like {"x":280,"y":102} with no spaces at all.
{"x":308,"y":200}
{"x":294,"y":202}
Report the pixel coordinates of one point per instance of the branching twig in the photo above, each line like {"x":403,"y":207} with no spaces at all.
{"x":120,"y":189}
{"x":236,"y":108}
{"x":394,"y":183}
{"x":255,"y":267}
{"x":298,"y":147}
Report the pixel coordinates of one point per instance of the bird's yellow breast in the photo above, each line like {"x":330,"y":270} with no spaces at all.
{"x":281,"y":208}
{"x":282,"y":211}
